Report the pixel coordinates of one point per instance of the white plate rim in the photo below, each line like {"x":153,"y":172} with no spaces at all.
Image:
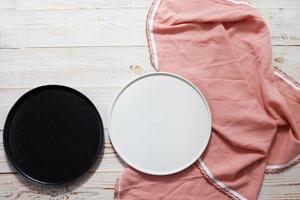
{"x":124,"y":158}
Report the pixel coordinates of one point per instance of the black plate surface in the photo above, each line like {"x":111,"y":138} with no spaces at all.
{"x":53,"y":134}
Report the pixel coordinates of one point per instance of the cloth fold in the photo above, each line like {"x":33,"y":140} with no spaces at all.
{"x":224,"y":48}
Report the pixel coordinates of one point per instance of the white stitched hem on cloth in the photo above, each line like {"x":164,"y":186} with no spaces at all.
{"x":279,"y":167}
{"x":241,"y":2}
{"x":287,"y":80}
{"x":295,"y":85}
{"x":150,"y":33}
{"x":218,"y":183}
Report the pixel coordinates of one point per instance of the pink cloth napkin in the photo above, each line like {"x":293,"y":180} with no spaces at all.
{"x":223,"y":47}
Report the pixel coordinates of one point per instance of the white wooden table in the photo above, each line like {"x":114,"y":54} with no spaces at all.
{"x":94,"y":46}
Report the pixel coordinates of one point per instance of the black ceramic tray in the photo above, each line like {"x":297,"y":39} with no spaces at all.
{"x":53,"y":134}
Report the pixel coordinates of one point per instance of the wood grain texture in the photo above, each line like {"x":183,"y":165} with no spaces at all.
{"x":76,"y":67}
{"x":96,"y":4}
{"x":96,"y":46}
{"x":100,"y":185}
{"x":283,"y":186}
{"x":95,"y":66}
{"x":91,"y":186}
{"x":103,"y":27}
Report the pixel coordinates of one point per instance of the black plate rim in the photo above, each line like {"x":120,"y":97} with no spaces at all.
{"x":8,"y":122}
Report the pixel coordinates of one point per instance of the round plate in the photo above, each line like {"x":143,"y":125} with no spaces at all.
{"x":53,"y":134}
{"x":160,"y":123}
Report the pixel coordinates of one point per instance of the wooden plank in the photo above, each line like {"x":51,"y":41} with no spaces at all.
{"x":282,"y":186}
{"x":96,"y":4}
{"x":94,"y":66}
{"x":103,"y":27}
{"x":72,"y":4}
{"x":91,"y":186}
{"x":284,"y":28}
{"x":107,"y":161}
{"x":277,"y":4}
{"x":76,"y":67}
{"x":57,"y":28}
